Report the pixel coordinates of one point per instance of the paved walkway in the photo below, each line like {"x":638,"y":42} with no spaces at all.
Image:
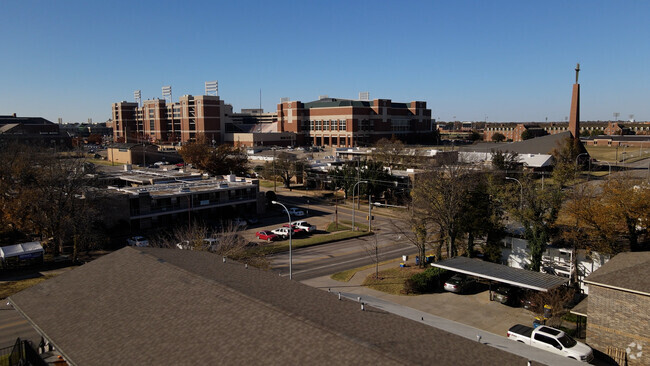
{"x":423,"y":308}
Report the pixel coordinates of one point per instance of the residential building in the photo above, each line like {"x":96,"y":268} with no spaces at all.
{"x":349,"y":123}
{"x":159,"y":306}
{"x":618,"y":308}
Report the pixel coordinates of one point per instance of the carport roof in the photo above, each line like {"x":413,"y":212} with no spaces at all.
{"x":498,"y":272}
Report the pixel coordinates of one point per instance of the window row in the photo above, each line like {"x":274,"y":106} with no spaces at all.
{"x":326,"y":125}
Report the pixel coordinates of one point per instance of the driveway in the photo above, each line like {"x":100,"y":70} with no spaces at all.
{"x":475,"y":310}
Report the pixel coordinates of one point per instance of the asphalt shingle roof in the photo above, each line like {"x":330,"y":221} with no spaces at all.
{"x":628,"y":271}
{"x":165,"y":306}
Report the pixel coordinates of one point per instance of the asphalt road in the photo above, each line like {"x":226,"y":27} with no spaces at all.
{"x":339,"y":256}
{"x":351,"y":253}
{"x":13,"y":325}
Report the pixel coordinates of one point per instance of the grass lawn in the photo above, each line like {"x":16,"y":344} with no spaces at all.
{"x":391,"y":280}
{"x":346,"y":276}
{"x":606,"y":153}
{"x":268,"y":183}
{"x":11,"y":287}
{"x":317,"y":239}
{"x":345,"y":225}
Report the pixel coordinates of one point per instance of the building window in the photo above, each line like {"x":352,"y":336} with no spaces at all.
{"x":326,"y":125}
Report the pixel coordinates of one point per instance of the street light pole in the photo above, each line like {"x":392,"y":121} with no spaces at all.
{"x":274,"y":177}
{"x":353,"y":204}
{"x":610,"y":168}
{"x":290,"y":232}
{"x":521,"y":192}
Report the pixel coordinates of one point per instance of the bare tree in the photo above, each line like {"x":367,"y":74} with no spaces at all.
{"x":441,"y":195}
{"x":390,"y":152}
{"x":46,"y":193}
{"x":228,"y":242}
{"x":420,"y":232}
{"x":371,"y":246}
{"x":286,"y":166}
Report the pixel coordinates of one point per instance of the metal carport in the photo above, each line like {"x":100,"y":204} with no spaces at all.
{"x":500,"y":273}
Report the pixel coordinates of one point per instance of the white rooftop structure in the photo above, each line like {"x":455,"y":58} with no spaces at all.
{"x":24,"y":250}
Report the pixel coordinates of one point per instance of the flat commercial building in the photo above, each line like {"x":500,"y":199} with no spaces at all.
{"x":165,"y":199}
{"x":350,"y":123}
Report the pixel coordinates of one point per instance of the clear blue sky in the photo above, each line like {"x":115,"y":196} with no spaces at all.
{"x":504,"y":60}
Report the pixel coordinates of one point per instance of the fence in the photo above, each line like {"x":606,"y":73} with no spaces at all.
{"x":21,"y":353}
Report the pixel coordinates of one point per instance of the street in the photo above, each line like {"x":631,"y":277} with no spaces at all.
{"x":346,"y":254}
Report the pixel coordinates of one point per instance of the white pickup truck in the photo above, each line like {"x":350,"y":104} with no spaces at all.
{"x":552,"y":340}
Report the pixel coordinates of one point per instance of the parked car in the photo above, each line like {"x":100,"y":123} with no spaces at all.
{"x":266,"y":235}
{"x":552,"y":340}
{"x":305,"y":226}
{"x":296,"y":230}
{"x":211,"y":243}
{"x":294,"y":211}
{"x":282,"y":232}
{"x":528,"y":300}
{"x":505,"y":294}
{"x":137,"y":241}
{"x":459,"y":283}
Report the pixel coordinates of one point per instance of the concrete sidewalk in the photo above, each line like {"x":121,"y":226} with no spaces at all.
{"x":423,"y":308}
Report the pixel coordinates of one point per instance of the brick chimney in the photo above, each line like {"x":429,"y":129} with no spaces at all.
{"x":574,"y":119}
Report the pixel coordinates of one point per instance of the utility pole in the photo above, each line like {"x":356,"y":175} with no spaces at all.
{"x":369,"y":213}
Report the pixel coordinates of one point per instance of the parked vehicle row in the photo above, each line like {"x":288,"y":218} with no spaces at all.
{"x":297,"y":229}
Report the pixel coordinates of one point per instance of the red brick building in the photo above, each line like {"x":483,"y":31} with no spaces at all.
{"x":159,"y":121}
{"x":349,"y":123}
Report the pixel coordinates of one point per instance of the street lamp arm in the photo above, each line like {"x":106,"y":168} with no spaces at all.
{"x":521,"y":193}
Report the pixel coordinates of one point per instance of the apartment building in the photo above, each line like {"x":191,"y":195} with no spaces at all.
{"x":349,"y":123}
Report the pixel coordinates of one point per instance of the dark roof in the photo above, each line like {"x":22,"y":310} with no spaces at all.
{"x":538,"y":145}
{"x":24,"y":120}
{"x":628,"y":271}
{"x":498,"y":272}
{"x":158,"y":306}
{"x":337,"y":102}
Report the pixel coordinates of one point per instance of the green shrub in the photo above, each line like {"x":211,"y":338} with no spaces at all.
{"x":424,"y":282}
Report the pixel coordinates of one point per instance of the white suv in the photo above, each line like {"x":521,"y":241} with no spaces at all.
{"x":305,"y":226}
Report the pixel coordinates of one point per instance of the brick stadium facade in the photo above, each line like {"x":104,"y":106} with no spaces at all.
{"x":159,"y":121}
{"x":349,"y":123}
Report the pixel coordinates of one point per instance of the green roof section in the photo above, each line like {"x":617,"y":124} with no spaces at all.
{"x":337,"y":102}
